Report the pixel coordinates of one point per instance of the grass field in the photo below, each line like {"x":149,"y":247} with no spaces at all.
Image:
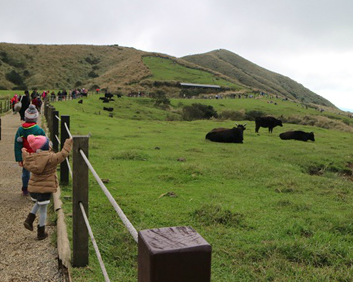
{"x":166,"y":69}
{"x":272,"y":210}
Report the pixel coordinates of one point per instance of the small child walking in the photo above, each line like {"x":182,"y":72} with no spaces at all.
{"x":29,"y":127}
{"x":43,"y":181}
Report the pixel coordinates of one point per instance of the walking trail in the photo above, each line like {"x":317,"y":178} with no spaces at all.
{"x":22,"y":257}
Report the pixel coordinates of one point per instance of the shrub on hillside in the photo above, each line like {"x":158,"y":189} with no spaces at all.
{"x":92,"y":74}
{"x":26,"y":73}
{"x":11,"y":61}
{"x":160,"y":99}
{"x":319,"y":121}
{"x":14,"y":77}
{"x":232,"y":115}
{"x":198,"y":111}
{"x":92,"y":61}
{"x":251,"y":115}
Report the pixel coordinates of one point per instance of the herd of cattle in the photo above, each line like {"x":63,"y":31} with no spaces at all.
{"x":236,"y":134}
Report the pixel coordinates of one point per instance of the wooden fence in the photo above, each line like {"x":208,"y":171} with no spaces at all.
{"x":170,"y":254}
{"x":5,"y":106}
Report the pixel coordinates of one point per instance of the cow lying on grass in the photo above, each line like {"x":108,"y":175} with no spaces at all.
{"x":297,"y":135}
{"x":225,"y":135}
{"x":108,"y":109}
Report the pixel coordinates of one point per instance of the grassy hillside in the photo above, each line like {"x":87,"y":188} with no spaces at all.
{"x":272,"y":210}
{"x":169,"y":70}
{"x":254,"y":76}
{"x":69,"y":66}
{"x":125,"y":70}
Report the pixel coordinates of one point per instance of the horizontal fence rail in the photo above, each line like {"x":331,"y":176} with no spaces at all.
{"x":95,"y":246}
{"x":119,"y":211}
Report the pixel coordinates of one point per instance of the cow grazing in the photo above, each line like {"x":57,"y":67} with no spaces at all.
{"x":108,"y":109}
{"x":224,"y":135}
{"x":297,"y":135}
{"x":269,"y":122}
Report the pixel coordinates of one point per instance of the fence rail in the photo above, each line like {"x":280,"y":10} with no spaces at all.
{"x":175,"y":247}
{"x":5,"y":106}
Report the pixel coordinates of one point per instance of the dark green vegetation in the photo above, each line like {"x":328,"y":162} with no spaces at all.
{"x":124,"y":70}
{"x":272,"y":210}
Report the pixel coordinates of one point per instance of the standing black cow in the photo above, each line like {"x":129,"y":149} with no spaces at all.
{"x":233,"y":135}
{"x":297,"y":135}
{"x":269,"y":122}
{"x":108,"y":95}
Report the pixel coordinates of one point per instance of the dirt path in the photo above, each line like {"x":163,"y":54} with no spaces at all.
{"x":22,"y":257}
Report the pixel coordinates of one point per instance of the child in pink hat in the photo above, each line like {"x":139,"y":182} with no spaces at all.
{"x":43,"y":181}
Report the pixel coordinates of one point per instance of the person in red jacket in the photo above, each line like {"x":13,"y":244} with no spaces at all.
{"x":13,"y":101}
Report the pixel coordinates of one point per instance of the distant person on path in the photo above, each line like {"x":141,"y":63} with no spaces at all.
{"x":14,"y":100}
{"x":26,"y":100}
{"x":43,"y":182}
{"x":28,"y":127}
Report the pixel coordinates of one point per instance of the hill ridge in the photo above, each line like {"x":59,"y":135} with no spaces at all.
{"x":117,"y":68}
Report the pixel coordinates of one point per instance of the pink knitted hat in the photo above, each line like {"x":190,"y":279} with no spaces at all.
{"x":38,"y":142}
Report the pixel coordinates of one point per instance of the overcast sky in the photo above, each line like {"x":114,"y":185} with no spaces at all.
{"x":310,"y":41}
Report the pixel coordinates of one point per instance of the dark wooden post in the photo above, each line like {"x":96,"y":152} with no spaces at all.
{"x":49,"y":115}
{"x":64,"y":169}
{"x":0,"y":128}
{"x":173,"y":254}
{"x":80,"y":194}
{"x":55,"y":130}
{"x":46,"y":106}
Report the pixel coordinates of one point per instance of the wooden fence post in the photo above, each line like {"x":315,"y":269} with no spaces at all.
{"x":50,"y":121}
{"x":173,"y":254}
{"x":46,"y":106}
{"x":64,"y":169}
{"x":0,"y":128}
{"x":80,"y":195}
{"x":55,"y":130}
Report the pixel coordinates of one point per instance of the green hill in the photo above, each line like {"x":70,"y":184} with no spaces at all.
{"x":125,"y":70}
{"x":256,"y":77}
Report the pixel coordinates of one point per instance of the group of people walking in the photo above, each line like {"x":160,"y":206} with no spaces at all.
{"x":34,"y":154}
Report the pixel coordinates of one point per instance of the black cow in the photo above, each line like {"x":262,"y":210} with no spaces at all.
{"x":104,"y":99}
{"x":108,"y":109}
{"x":108,"y":95}
{"x":223,"y":128}
{"x":269,"y":122}
{"x":297,"y":135}
{"x":224,"y":135}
